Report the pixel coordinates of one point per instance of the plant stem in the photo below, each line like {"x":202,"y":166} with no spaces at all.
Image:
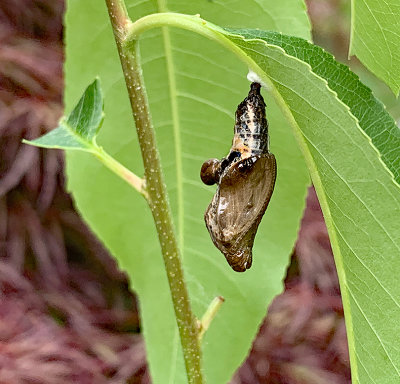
{"x":199,"y":26}
{"x":209,"y":315}
{"x":189,"y":22}
{"x":124,"y":173}
{"x":157,"y":194}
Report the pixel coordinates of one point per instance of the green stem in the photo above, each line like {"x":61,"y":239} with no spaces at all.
{"x":157,"y":194}
{"x":209,"y":315}
{"x":199,"y":26}
{"x":178,"y":20}
{"x":124,"y":173}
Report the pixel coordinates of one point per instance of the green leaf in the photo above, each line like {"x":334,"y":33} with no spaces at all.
{"x":360,"y":202}
{"x":375,"y":38}
{"x":77,"y":131}
{"x":370,"y":112}
{"x":194,"y":88}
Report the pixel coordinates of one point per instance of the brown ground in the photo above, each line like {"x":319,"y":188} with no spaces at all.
{"x":54,"y":332}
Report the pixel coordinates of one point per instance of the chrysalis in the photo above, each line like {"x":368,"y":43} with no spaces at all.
{"x":245,"y":179}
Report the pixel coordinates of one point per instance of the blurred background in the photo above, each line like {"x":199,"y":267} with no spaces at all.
{"x":66,"y":313}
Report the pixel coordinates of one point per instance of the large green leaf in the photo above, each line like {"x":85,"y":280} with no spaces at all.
{"x":375,"y":38}
{"x":360,"y":201}
{"x":194,"y":87}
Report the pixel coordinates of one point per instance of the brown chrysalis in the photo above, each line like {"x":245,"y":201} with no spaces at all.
{"x":245,"y":179}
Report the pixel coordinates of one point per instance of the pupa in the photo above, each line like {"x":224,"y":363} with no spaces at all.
{"x":245,"y":181}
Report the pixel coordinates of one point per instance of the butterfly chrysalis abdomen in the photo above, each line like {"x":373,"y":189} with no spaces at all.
{"x":245,"y":179}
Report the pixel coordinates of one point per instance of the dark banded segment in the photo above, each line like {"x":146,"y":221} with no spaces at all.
{"x":251,"y":127}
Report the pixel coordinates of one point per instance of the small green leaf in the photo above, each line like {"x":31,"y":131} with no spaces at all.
{"x":375,"y":38}
{"x":79,"y":130}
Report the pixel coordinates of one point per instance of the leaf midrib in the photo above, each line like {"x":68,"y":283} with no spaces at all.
{"x":178,"y":155}
{"x":175,"y":127}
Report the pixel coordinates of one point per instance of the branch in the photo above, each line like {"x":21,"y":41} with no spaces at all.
{"x":124,"y":173}
{"x":157,"y":195}
{"x":209,"y":315}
